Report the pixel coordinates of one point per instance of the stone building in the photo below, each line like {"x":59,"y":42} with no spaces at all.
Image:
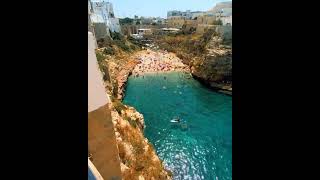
{"x":185,"y":14}
{"x":227,"y":20}
{"x":221,"y":5}
{"x":223,"y":11}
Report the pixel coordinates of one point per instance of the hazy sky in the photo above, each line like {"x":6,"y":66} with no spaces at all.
{"x":155,"y":8}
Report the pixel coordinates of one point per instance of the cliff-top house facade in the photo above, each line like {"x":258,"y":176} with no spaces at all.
{"x":223,"y":11}
{"x":102,"y":18}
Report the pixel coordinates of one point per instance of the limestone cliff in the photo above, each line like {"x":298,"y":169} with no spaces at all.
{"x":208,"y":55}
{"x":215,"y":67}
{"x":138,"y":157}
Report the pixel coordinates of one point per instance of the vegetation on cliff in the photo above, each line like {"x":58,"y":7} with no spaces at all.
{"x":114,"y":61}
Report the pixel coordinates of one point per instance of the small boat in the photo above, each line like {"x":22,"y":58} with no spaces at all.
{"x":175,"y":120}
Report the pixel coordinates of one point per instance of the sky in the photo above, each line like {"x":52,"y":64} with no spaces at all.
{"x":158,"y":8}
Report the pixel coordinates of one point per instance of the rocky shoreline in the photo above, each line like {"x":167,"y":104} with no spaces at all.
{"x":221,"y":88}
{"x":148,"y":61}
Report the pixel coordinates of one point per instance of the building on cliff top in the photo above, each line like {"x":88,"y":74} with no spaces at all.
{"x":102,"y":18}
{"x":185,"y":14}
{"x":221,"y":5}
{"x":223,"y":11}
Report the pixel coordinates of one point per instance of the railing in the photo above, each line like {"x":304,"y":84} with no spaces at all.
{"x":93,"y":173}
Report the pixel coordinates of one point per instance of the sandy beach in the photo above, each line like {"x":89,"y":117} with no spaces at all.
{"x":157,"y":61}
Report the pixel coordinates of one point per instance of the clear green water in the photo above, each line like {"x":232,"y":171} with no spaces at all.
{"x":200,"y":146}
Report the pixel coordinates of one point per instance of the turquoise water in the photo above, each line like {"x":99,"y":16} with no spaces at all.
{"x":200,"y":146}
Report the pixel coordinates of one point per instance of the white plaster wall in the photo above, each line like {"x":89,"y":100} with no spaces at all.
{"x":114,"y":25}
{"x":103,"y":10}
{"x":97,"y":96}
{"x":226,"y":20}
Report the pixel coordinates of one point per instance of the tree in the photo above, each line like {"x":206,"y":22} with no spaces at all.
{"x":126,"y":20}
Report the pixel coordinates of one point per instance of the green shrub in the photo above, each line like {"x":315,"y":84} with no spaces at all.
{"x":135,"y":42}
{"x":104,"y":42}
{"x":132,"y":47}
{"x":119,"y":106}
{"x":126,"y":20}
{"x":122,"y":45}
{"x":116,"y":36}
{"x":133,"y":123}
{"x":109,"y":50}
{"x":100,"y":56}
{"x":115,"y":87}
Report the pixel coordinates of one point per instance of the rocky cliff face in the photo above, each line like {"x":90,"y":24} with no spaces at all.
{"x":138,"y":157}
{"x":215,"y":67}
{"x":209,"y":57}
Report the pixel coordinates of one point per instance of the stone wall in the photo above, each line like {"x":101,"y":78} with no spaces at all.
{"x":102,"y":145}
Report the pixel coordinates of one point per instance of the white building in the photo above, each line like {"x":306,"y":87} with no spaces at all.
{"x":221,"y":5}
{"x":224,"y":13}
{"x":185,"y":14}
{"x":102,"y":12}
{"x":227,"y":20}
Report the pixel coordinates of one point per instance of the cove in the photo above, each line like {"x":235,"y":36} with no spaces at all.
{"x":200,"y":145}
